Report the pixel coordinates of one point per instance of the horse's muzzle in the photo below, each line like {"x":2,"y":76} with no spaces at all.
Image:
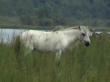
{"x":87,"y":44}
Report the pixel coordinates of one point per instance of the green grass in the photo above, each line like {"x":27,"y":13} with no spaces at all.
{"x":79,"y":64}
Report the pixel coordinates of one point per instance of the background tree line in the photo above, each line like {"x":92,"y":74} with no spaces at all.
{"x":57,"y":12}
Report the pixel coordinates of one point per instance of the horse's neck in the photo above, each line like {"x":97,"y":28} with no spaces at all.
{"x":72,"y":34}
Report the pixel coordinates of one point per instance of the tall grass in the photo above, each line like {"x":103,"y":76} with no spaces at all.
{"x":79,"y":64}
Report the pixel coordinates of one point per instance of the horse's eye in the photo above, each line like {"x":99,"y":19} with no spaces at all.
{"x":83,"y":34}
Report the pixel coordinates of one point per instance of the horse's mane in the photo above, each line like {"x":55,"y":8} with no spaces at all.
{"x":67,"y":28}
{"x":70,"y":28}
{"x":63,"y":28}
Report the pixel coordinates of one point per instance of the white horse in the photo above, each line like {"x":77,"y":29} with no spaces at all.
{"x":55,"y":41}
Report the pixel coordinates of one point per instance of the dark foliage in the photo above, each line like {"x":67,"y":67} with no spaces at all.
{"x":58,"y":12}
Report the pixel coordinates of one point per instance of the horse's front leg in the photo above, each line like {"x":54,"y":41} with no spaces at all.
{"x":28,"y":49}
{"x":58,"y":55}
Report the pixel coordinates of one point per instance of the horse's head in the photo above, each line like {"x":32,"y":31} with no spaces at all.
{"x":85,"y":35}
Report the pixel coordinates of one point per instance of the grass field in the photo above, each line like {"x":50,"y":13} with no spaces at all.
{"x":79,"y":64}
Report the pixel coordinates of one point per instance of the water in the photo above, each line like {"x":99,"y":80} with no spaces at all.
{"x":7,"y":35}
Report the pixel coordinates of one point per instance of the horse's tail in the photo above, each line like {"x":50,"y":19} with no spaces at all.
{"x":17,"y":45}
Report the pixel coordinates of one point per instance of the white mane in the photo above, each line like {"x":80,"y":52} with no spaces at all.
{"x":67,"y":28}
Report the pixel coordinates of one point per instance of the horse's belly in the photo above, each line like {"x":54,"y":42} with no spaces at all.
{"x":45,"y":46}
{"x":51,"y":45}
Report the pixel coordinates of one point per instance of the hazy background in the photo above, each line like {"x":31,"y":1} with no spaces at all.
{"x":54,"y":12}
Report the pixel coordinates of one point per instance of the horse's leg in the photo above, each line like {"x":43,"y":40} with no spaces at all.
{"x":58,"y":55}
{"x":28,"y":49}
